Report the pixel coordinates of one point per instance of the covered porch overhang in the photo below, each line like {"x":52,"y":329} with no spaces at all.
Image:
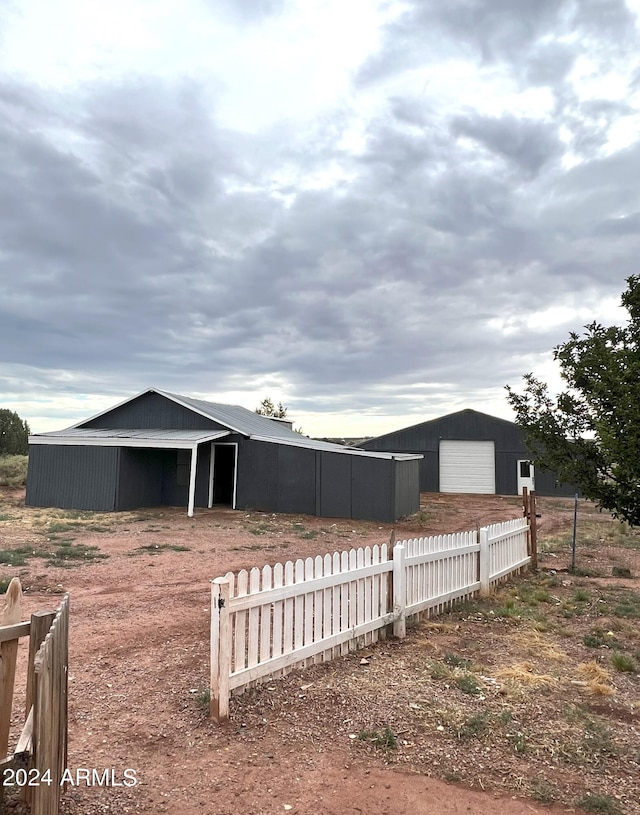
{"x":156,"y":439}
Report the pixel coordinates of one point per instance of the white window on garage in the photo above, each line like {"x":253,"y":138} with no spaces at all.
{"x":467,"y":466}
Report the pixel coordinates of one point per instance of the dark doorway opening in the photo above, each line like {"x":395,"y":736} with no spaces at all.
{"x":224,"y":473}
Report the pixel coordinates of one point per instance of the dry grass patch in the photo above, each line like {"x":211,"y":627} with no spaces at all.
{"x":524,"y":674}
{"x":595,"y":688}
{"x":596,"y":680}
{"x":593,"y":672}
{"x":536,"y":644}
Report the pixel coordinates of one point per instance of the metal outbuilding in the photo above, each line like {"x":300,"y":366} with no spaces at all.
{"x":471,"y":452}
{"x":160,"y":448}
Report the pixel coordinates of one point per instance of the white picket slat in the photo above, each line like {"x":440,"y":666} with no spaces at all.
{"x":239,"y":622}
{"x":298,"y":620}
{"x":254,"y":620}
{"x":287,"y":646}
{"x":265,"y":618}
{"x":278,"y":609}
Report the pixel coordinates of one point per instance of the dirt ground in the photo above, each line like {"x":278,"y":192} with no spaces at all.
{"x":311,"y":742}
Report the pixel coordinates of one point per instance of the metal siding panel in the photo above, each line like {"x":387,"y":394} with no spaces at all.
{"x":202,"y":475}
{"x":407,"y":493}
{"x":467,"y":466}
{"x":335,"y":485}
{"x":175,"y":491}
{"x":140,"y":478}
{"x":257,"y":476}
{"x":470,"y":425}
{"x":465,"y":425}
{"x":547,"y":484}
{"x":429,"y":472}
{"x":153,"y":412}
{"x":296,"y":480}
{"x":414,"y":439}
{"x":72,"y":477}
{"x":506,"y":472}
{"x":318,"y":484}
{"x":372,"y":487}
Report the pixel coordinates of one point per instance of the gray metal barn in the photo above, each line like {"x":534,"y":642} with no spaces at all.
{"x":471,"y":452}
{"x":159,"y":448}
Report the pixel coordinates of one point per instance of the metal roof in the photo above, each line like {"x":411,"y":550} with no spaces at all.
{"x":240,"y":419}
{"x":261,"y":428}
{"x":234,"y":417}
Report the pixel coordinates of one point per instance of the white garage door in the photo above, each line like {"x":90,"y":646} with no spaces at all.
{"x":467,"y":466}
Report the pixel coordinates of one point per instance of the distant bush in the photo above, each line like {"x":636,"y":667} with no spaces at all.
{"x":14,"y":434}
{"x":13,"y":471}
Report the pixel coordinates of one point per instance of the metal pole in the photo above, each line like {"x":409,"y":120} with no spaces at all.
{"x":575,"y":524}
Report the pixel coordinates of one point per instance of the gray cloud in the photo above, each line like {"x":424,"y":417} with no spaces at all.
{"x":142,"y":242}
{"x":528,"y":145}
{"x":247,"y":11}
{"x":549,"y":63}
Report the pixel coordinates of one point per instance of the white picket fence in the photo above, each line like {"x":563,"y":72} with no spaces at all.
{"x":266,"y":621}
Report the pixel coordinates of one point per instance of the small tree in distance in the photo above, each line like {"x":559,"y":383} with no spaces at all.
{"x":590,"y":433}
{"x":267,"y":408}
{"x":14,"y":434}
{"x":279,"y":411}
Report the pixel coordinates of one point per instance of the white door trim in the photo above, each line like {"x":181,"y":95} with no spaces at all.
{"x":523,"y":480}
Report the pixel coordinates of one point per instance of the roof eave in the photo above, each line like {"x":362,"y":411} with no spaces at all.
{"x":352,"y":451}
{"x":123,"y":441}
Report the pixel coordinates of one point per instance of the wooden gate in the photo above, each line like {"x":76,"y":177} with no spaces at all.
{"x":41,"y":751}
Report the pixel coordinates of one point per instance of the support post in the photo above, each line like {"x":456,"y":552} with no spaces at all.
{"x":399,"y":592}
{"x":212,"y":467}
{"x":533,"y":525}
{"x":220,"y":649}
{"x":192,"y":479}
{"x":11,"y":615}
{"x":485,"y":585}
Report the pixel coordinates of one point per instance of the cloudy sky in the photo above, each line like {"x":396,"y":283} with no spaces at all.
{"x":377,"y":212}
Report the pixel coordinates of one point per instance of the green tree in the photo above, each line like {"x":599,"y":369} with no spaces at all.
{"x":268,"y":408}
{"x":590,"y":432}
{"x":14,"y":434}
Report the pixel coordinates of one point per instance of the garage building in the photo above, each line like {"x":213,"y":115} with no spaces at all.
{"x":471,"y":452}
{"x":160,"y":448}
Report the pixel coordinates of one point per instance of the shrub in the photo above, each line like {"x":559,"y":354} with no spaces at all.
{"x":13,"y":471}
{"x":599,"y":803}
{"x":385,"y":739}
{"x":468,"y":684}
{"x":456,"y":661}
{"x":475,"y":725}
{"x":623,"y":663}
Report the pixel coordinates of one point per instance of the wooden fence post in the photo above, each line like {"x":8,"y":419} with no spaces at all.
{"x":40,"y":625}
{"x":220,"y":649}
{"x":525,"y":503}
{"x":533,"y":525}
{"x":11,"y":614}
{"x":485,"y":586}
{"x":399,"y":592}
